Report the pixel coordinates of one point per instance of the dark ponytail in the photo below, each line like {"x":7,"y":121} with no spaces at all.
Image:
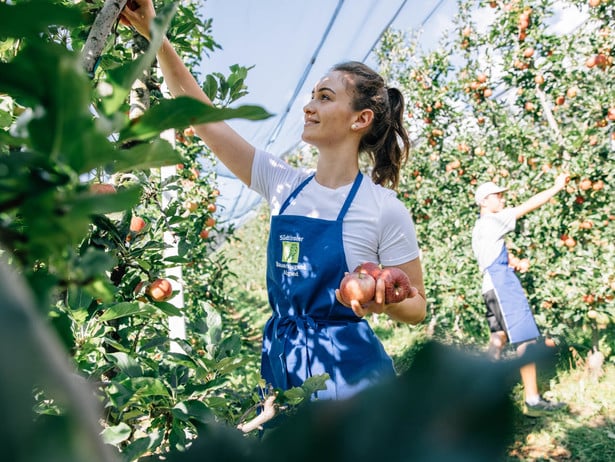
{"x":387,"y":142}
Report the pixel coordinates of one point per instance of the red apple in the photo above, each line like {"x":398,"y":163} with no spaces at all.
{"x":160,"y":290}
{"x":369,"y":267}
{"x":138,"y":291}
{"x":191,"y":206}
{"x":396,"y":284}
{"x":357,"y":286}
{"x":585,"y":184}
{"x":597,"y":185}
{"x":102,"y":188}
{"x":601,"y":61}
{"x":137,"y":224}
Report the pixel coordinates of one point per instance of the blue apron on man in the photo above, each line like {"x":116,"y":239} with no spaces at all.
{"x":310,"y":332}
{"x":516,"y":312}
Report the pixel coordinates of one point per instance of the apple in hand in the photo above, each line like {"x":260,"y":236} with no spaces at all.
{"x":369,"y":267}
{"x":357,"y":286}
{"x":396,"y":285}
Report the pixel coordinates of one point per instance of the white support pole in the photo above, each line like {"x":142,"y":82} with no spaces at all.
{"x":177,"y":324}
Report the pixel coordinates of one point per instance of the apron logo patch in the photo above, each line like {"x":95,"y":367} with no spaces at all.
{"x":290,"y":252}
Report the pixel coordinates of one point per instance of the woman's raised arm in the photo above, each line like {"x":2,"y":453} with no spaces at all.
{"x":230,"y":147}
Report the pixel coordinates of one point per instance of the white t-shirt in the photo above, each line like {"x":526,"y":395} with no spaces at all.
{"x":377,"y":227}
{"x":488,"y":239}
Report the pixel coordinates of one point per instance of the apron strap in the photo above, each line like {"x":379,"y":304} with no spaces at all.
{"x":295,"y":193}
{"x":353,"y":192}
{"x":345,"y":207}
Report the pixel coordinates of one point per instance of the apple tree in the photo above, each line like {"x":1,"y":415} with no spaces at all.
{"x":507,"y":96}
{"x":96,"y":207}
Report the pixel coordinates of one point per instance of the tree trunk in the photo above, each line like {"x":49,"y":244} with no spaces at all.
{"x":99,"y":32}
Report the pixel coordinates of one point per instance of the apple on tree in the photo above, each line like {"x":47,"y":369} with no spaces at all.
{"x":160,"y":290}
{"x":102,"y":188}
{"x":137,"y":224}
{"x":139,"y":290}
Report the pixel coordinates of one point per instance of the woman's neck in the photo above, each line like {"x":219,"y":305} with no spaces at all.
{"x":335,"y":175}
{"x":336,"y":169}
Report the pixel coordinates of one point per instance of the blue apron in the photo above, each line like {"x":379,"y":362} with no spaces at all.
{"x":518,"y":318}
{"x":310,"y":332}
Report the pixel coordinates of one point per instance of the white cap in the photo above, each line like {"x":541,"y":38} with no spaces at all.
{"x":485,"y":189}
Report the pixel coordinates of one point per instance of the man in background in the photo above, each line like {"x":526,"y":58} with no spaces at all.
{"x":508,"y":312}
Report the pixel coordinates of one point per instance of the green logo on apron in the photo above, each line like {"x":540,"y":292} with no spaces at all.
{"x":290,"y":252}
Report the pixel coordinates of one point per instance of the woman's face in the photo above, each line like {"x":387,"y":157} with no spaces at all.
{"x":328,"y":116}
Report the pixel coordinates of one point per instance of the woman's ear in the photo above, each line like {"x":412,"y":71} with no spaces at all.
{"x":364,"y":118}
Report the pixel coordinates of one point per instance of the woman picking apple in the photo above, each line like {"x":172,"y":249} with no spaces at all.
{"x":323,"y":222}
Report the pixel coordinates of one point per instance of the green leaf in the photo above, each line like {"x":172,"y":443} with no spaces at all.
{"x":181,"y":112}
{"x":123,"y":199}
{"x":216,"y":402}
{"x":210,"y":87}
{"x":311,"y":385}
{"x":29,"y":19}
{"x":123,"y":309}
{"x":116,"y":434}
{"x":77,"y":298}
{"x":176,"y":259}
{"x":93,"y":263}
{"x":228,"y":365}
{"x":192,"y":409}
{"x":158,"y":153}
{"x":101,"y":288}
{"x":55,"y":220}
{"x":127,"y":364}
{"x":168,"y":309}
{"x":148,"y":386}
{"x":143,"y":445}
{"x":6,"y":139}
{"x":61,"y":125}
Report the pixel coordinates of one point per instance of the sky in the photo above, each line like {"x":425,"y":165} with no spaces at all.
{"x":291,"y":44}
{"x":295,"y":42}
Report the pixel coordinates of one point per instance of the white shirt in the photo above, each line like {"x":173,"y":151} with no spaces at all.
{"x":488,"y":239}
{"x":377,"y":227}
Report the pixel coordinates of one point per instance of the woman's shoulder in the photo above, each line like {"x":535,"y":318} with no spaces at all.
{"x":268,"y":161}
{"x":383,"y":201}
{"x":274,"y":178}
{"x":377,"y":190}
